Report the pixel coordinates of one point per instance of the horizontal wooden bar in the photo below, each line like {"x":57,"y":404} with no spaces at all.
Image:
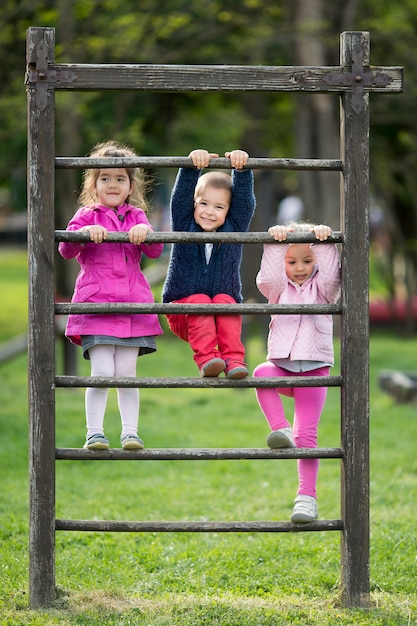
{"x":195,"y":527}
{"x":64,"y":308}
{"x":203,"y":237}
{"x":148,"y":162}
{"x":228,"y":78}
{"x":195,"y":454}
{"x":199,"y":383}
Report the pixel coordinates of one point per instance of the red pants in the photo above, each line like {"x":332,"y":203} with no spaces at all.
{"x":210,"y":336}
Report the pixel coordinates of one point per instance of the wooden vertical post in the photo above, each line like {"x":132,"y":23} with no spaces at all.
{"x":41,"y":250}
{"x":354,"y":53}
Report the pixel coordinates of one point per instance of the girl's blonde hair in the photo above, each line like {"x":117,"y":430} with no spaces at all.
{"x":138,"y":180}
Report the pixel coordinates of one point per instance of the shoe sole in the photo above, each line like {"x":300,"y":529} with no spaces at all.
{"x":237,"y":373}
{"x":214,"y":369}
{"x":97,"y":446}
{"x":279,"y":440}
{"x":300,"y":518}
{"x":133,"y":445}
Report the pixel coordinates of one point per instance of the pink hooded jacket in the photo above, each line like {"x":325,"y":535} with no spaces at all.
{"x":300,"y":337}
{"x":110,"y":272}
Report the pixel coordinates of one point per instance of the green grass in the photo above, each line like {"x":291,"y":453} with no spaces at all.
{"x":187,"y":579}
{"x":14,"y":293}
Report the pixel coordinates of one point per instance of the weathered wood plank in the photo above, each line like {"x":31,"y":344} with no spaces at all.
{"x":190,"y":78}
{"x":355,"y":330}
{"x":203,"y":237}
{"x":220,"y":163}
{"x":41,"y":355}
{"x":195,"y":454}
{"x":201,"y":383}
{"x":65,"y":308}
{"x":196,"y":527}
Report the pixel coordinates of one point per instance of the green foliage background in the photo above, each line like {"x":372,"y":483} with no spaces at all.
{"x":195,"y":32}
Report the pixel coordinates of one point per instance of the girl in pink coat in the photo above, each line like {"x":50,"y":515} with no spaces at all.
{"x":298,"y":345}
{"x":111,"y":273}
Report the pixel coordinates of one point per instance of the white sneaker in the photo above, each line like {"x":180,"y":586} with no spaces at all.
{"x":282,"y":438}
{"x":305,"y":510}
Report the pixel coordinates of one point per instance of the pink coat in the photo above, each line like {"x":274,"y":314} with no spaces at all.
{"x":300,"y":337}
{"x":110,"y":272}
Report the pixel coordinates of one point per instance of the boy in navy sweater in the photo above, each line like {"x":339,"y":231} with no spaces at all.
{"x":210,"y":273}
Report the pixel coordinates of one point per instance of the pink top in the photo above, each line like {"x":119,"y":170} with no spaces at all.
{"x":300,"y":337}
{"x":110,"y":272}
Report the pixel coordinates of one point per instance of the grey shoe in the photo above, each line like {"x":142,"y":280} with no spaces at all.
{"x":305,"y":510}
{"x":214,"y":367}
{"x":237,"y":372}
{"x":281,"y":438}
{"x":97,"y":442}
{"x":236,"y":369}
{"x":131,"y":442}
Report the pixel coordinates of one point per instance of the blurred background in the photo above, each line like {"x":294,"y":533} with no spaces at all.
{"x":233,"y":32}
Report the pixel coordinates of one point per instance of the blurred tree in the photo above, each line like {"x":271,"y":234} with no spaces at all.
{"x":393,"y":143}
{"x":317,"y":119}
{"x":254,"y":32}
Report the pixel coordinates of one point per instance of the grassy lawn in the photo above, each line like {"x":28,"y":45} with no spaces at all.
{"x":13,"y":281}
{"x":230,"y":579}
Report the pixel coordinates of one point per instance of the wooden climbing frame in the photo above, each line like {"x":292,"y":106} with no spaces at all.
{"x":353,"y":80}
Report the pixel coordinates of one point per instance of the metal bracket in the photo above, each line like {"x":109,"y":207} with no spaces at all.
{"x":43,"y":78}
{"x":358,"y":78}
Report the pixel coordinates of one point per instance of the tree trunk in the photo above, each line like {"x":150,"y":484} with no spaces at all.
{"x":67,"y":144}
{"x":317,"y":123}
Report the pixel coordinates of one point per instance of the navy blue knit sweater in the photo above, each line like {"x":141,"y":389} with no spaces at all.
{"x":188,"y":272}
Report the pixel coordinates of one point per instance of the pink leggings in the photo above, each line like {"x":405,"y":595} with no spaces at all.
{"x":308,"y":407}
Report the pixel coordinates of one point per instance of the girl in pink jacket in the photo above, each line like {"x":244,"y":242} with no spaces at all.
{"x":298,"y":345}
{"x":112,"y":273}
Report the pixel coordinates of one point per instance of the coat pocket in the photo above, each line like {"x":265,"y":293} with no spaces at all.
{"x":324,"y":332}
{"x":86,"y":292}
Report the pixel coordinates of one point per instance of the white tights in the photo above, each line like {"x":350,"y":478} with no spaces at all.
{"x":117,"y":361}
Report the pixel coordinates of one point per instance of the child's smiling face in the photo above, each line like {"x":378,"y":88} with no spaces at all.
{"x":113,"y":187}
{"x":210,"y":207}
{"x":299,"y":262}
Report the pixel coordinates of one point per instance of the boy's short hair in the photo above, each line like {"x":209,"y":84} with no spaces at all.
{"x":218,"y":180}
